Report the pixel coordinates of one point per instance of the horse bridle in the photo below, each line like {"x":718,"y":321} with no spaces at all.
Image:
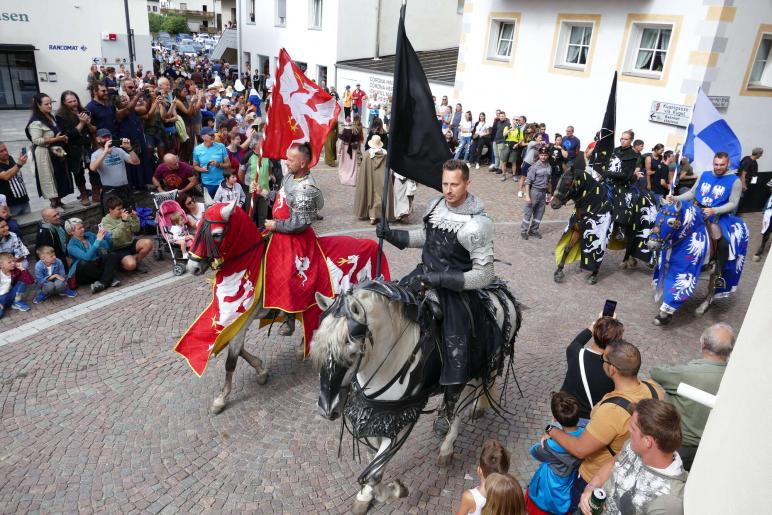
{"x":565,"y":199}
{"x":214,"y":250}
{"x":359,"y":332}
{"x":676,"y":226}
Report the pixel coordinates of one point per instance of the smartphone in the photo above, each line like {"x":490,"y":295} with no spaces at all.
{"x":24,"y":151}
{"x":117,"y":142}
{"x":609,"y":308}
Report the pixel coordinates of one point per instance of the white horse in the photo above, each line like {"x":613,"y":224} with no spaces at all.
{"x":367,"y":340}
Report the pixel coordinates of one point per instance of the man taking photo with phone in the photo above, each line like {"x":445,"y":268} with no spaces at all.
{"x":110,"y":162}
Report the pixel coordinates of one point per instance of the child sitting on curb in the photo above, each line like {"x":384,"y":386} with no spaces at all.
{"x":50,"y":276}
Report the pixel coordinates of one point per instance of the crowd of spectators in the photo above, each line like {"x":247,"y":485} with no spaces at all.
{"x":195,"y":126}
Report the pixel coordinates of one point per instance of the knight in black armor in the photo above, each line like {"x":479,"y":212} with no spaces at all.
{"x":457,"y":261}
{"x":620,"y":177}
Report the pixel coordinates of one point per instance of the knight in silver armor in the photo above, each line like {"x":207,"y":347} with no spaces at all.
{"x":457,"y":260}
{"x":303,"y":198}
{"x":300,"y":191}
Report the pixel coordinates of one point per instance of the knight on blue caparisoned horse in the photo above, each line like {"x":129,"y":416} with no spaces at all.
{"x":588,"y":233}
{"x":687,"y":228}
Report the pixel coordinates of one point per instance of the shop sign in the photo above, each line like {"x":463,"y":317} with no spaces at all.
{"x":671,"y":114}
{"x":380,"y":87}
{"x":14,"y":17}
{"x":68,"y":48}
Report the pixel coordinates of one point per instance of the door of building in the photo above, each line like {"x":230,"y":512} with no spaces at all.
{"x":18,"y":76}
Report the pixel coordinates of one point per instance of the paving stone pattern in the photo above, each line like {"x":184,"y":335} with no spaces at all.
{"x":98,"y":415}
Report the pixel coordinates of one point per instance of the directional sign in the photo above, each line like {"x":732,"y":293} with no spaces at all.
{"x":720,"y":102}
{"x":671,"y":114}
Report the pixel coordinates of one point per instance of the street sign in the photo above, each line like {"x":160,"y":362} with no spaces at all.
{"x":720,"y":102}
{"x":671,"y":114}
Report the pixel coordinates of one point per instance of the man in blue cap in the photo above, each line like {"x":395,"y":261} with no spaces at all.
{"x":210,"y":159}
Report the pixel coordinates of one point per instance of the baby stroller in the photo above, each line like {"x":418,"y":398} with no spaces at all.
{"x":166,"y":205}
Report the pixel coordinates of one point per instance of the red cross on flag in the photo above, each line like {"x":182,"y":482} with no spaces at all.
{"x":301,"y":111}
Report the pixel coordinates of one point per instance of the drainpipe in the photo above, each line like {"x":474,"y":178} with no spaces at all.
{"x":377,"y":31}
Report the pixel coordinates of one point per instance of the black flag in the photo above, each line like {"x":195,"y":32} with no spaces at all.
{"x":604,"y":146}
{"x":417,"y":148}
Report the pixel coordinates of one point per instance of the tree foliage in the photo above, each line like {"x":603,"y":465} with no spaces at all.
{"x":156,"y":22}
{"x":175,"y":24}
{"x":170,"y":23}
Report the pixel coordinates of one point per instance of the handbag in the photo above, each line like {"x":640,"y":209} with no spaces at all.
{"x":72,"y":282}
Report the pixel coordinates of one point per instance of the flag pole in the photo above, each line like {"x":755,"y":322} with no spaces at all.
{"x":387,"y":175}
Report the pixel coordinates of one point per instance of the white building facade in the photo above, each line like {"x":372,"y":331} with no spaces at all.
{"x":553,"y":61}
{"x":319,"y":33}
{"x":49,"y":45}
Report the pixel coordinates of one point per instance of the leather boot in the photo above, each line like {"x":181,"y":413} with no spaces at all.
{"x":288,"y":326}
{"x":446,"y":412}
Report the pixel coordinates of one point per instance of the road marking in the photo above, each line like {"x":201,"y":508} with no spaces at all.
{"x":112,"y":296}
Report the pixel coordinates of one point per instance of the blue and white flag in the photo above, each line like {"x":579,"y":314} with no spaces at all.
{"x":709,"y":133}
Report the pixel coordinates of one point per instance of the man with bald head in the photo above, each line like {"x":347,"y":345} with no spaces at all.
{"x":51,"y":234}
{"x":173,"y":174}
{"x":716,"y":345}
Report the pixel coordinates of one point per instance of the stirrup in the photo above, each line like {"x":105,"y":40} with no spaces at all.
{"x":719,"y":283}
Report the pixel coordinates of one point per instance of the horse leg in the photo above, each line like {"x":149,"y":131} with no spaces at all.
{"x":257,"y":364}
{"x":559,"y":274}
{"x":234,"y":349}
{"x":703,"y":307}
{"x":373,"y":488}
{"x":446,"y":449}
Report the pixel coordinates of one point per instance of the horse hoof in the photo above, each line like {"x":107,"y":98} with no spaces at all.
{"x":401,"y":489}
{"x":623,"y":265}
{"x":300,"y":352}
{"x":756,"y":258}
{"x":633,"y":263}
{"x":592,"y":279}
{"x":262,"y":377}
{"x":661,"y":320}
{"x":443,"y":460}
{"x":360,"y":507}
{"x":558,"y":276}
{"x":217,"y":407}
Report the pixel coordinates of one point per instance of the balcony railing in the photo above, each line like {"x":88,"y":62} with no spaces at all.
{"x":188,"y":12}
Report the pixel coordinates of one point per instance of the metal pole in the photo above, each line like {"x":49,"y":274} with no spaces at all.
{"x":129,"y":37}
{"x":378,"y":32}
{"x":387,"y":175}
{"x":240,"y":60}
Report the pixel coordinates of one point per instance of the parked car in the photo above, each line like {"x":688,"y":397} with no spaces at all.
{"x":187,"y":50}
{"x":182,"y":36}
{"x":164,"y":35}
{"x":168,"y":45}
{"x":199,"y":48}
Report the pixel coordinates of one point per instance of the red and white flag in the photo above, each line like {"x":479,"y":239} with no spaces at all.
{"x":301,"y":111}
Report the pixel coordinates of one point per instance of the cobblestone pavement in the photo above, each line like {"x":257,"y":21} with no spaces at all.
{"x":98,"y":415}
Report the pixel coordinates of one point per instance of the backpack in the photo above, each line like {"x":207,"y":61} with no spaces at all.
{"x":625,"y":404}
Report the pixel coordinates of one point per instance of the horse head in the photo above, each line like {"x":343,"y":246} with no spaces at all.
{"x":340,"y":346}
{"x":564,"y":189}
{"x":209,"y":237}
{"x":666,"y":226}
